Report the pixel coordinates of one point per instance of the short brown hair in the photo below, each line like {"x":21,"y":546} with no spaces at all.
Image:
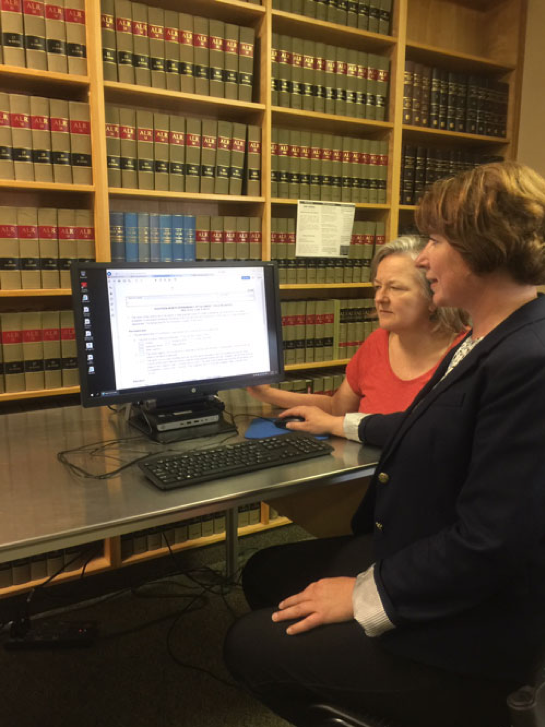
{"x":494,"y":215}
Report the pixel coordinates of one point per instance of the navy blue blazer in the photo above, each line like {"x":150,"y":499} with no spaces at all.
{"x":457,"y":508}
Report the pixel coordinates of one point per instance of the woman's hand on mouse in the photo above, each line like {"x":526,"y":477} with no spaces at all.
{"x":316,"y":421}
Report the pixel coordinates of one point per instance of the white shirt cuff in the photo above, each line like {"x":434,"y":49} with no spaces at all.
{"x":351,"y":423}
{"x":368,"y":609}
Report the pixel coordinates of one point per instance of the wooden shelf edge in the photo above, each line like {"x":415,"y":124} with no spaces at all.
{"x":194,"y":197}
{"x":49,"y":76}
{"x":346,"y":30}
{"x":321,"y":286}
{"x":259,"y":10}
{"x":97,"y":565}
{"x":447,"y":54}
{"x":149,"y":91}
{"x":359,"y":205}
{"x":425,"y":130}
{"x":45,"y":186}
{"x":316,"y":365}
{"x":35,"y":292}
{"x":39,"y":393}
{"x":318,"y":115}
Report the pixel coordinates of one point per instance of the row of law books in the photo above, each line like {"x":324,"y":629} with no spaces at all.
{"x":38,"y":351}
{"x":421,"y":166}
{"x":325,"y":330}
{"x":45,"y":565}
{"x":45,"y":139}
{"x":314,"y":76}
{"x":315,"y":166}
{"x":149,"y":46}
{"x":441,"y":99}
{"x":155,"y":151}
{"x":167,"y":536}
{"x":38,"y":245}
{"x":293,"y":270}
{"x":46,"y":36}
{"x":371,"y":15}
{"x":326,"y":382}
{"x":155,"y":237}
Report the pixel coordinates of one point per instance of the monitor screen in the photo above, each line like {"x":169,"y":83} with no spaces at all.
{"x":176,"y":331}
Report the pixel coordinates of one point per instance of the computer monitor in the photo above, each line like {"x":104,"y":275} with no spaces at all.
{"x":166,"y":337}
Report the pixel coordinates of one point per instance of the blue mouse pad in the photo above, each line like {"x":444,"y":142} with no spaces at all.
{"x":261,"y":428}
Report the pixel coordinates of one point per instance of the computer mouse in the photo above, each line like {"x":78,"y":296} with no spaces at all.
{"x":281,"y":422}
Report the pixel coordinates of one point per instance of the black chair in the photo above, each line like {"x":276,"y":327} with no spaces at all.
{"x":526,"y":705}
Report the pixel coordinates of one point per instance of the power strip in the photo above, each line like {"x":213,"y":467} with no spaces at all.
{"x":53,"y":635}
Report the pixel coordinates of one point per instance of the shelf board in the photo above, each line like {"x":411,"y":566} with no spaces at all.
{"x":18,"y":395}
{"x":232,"y":11}
{"x":422,"y":133}
{"x":190,"y":196}
{"x":407,"y":207}
{"x":97,"y":565}
{"x":316,"y":365}
{"x":315,"y":120}
{"x":19,"y":186}
{"x":456,"y":61}
{"x":29,"y":79}
{"x":225,"y":108}
{"x":359,"y":205}
{"x":312,"y":29}
{"x":35,"y":293}
{"x":326,"y":286}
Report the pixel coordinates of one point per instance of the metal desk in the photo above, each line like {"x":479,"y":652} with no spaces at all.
{"x":44,"y":507}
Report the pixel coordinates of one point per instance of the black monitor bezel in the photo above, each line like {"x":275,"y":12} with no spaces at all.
{"x":172,"y":392}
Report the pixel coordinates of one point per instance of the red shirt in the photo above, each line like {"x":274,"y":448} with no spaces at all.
{"x":371,"y":377}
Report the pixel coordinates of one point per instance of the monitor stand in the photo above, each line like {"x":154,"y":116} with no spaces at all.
{"x":182,"y":420}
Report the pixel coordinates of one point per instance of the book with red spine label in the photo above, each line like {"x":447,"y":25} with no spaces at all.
{"x":76,"y":48}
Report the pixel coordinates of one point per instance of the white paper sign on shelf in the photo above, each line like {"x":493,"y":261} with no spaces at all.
{"x":324,"y":229}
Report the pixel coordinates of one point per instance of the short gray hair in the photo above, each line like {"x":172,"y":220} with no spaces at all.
{"x":449,"y":320}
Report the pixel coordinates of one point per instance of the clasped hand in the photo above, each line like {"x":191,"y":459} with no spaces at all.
{"x":328,"y":600}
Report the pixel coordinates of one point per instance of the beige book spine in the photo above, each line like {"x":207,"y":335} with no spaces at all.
{"x":161,"y":151}
{"x":246,"y":43}
{"x":202,"y":237}
{"x":141,"y":44}
{"x":187,"y":55}
{"x":156,"y":32}
{"x":223,"y":157}
{"x":238,"y":153}
{"x":217,"y":58}
{"x":243,"y":238}
{"x":229,"y":238}
{"x":48,"y":247}
{"x":255,"y":250}
{"x":230,"y":71}
{"x":176,"y":151}
{"x":124,"y":41}
{"x":10,"y":260}
{"x":60,"y":140}
{"x":172,"y":51}
{"x":109,"y":45}
{"x":216,"y":238}
{"x":34,"y":25}
{"x":12,"y":352}
{"x":29,"y":251}
{"x":41,"y":139}
{"x":253,"y":170}
{"x":51,"y":333}
{"x":144,"y":149}
{"x":70,"y":373}
{"x":127,"y":137}
{"x":21,"y":135}
{"x":11,"y":20}
{"x":80,"y":142}
{"x":33,"y":350}
{"x":201,"y":55}
{"x":6,"y":146}
{"x":76,"y":49}
{"x":193,"y":155}
{"x":113,"y":146}
{"x":208,"y":155}
{"x":67,"y":244}
{"x":85,"y":235}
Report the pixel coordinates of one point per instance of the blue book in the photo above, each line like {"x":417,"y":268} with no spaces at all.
{"x":130,"y":220}
{"x":117,"y":237}
{"x":143,"y":237}
{"x":155,"y":254}
{"x":189,"y":237}
{"x":177,"y":238}
{"x":165,"y":238}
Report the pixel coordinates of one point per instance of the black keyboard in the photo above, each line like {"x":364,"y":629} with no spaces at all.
{"x":189,"y":468}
